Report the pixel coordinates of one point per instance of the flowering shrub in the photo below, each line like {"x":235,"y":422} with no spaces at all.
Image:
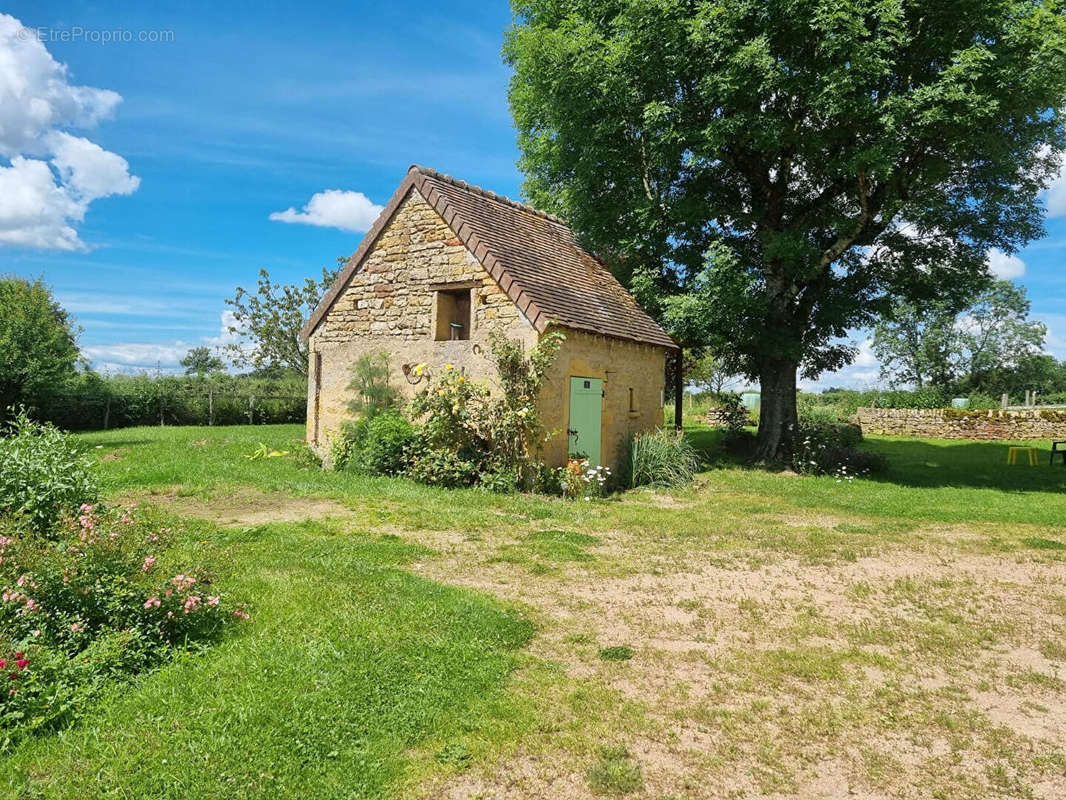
{"x":472,"y":435}
{"x":453,"y":410}
{"x":822,"y":449}
{"x":43,"y":473}
{"x":91,"y":605}
{"x":580,"y":479}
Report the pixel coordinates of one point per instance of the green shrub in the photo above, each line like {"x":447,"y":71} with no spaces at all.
{"x":501,"y":481}
{"x":93,"y":606}
{"x":345,"y":443}
{"x":386,"y":444}
{"x":442,"y":467}
{"x":661,"y":458}
{"x":983,"y":402}
{"x":549,"y":480}
{"x":736,"y":415}
{"x":44,"y":476}
{"x":831,"y":449}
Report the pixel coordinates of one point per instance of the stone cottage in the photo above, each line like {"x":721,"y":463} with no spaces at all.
{"x":446,"y":264}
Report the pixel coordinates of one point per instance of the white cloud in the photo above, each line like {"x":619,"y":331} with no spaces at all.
{"x":165,"y":356}
{"x":1003,"y":266}
{"x":35,"y":96}
{"x":334,"y":208}
{"x":108,"y":302}
{"x":227,"y":320}
{"x":53,"y":176}
{"x":89,"y":171}
{"x":865,"y":356}
{"x":136,"y":355}
{"x":1055,"y":341}
{"x":1055,"y":196}
{"x":34,"y":211}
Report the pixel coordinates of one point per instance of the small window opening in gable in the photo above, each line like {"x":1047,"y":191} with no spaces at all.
{"x":632,"y":402}
{"x":453,"y":314}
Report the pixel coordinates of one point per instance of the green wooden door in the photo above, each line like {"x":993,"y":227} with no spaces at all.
{"x":586,"y":404}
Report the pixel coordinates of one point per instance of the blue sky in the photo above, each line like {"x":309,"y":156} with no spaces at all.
{"x":171,"y":165}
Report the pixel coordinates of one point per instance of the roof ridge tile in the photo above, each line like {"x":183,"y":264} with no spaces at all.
{"x":499,"y":198}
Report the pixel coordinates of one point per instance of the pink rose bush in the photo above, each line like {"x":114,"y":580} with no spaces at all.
{"x":96,"y":601}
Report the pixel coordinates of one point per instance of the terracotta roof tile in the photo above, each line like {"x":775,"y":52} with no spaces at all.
{"x":534,"y":256}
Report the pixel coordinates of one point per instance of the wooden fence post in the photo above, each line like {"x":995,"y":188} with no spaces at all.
{"x":679,"y":387}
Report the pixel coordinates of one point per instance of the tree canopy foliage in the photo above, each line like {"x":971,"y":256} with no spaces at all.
{"x":267,"y":323}
{"x":199,"y":361}
{"x":935,"y":344}
{"x":38,"y":343}
{"x":781,"y":170}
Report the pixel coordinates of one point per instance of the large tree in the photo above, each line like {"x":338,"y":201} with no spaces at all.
{"x":267,"y":323}
{"x":974,"y":348}
{"x":797,"y":164}
{"x":38,"y":347}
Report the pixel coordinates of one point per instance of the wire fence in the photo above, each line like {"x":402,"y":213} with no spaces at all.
{"x":86,"y":411}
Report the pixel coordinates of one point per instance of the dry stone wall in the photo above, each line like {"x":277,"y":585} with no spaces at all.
{"x":948,"y":423}
{"x":717,"y":418}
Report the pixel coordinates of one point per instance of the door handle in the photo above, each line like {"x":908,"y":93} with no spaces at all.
{"x":571,"y":432}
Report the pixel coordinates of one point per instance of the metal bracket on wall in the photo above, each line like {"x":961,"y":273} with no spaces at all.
{"x":412,"y":377}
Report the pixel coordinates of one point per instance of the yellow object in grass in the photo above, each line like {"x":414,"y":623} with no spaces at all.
{"x":1012,"y":455}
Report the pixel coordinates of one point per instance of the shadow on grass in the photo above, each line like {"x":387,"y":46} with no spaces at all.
{"x":924,"y":463}
{"x":983,"y":465}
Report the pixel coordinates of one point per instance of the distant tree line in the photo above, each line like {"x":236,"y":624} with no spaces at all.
{"x":987,"y":346}
{"x":42,"y":370}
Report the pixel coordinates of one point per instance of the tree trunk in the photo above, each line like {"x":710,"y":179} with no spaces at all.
{"x":777,"y":412}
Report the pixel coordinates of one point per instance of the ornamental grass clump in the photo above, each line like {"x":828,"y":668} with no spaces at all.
{"x":661,"y":459}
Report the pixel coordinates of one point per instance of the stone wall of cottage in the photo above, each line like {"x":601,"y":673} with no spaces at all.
{"x":955,"y":424}
{"x":389,"y":306}
{"x":622,"y":365}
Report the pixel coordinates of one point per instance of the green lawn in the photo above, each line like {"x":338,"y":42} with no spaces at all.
{"x":405,"y":638}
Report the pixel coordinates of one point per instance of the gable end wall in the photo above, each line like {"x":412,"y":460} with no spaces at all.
{"x":388,"y":306}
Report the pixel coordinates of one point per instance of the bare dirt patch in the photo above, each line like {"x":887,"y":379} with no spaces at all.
{"x":248,"y":507}
{"x":911,"y":671}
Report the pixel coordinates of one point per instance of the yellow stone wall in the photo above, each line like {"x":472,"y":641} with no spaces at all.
{"x":622,"y":365}
{"x":388,"y":306}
